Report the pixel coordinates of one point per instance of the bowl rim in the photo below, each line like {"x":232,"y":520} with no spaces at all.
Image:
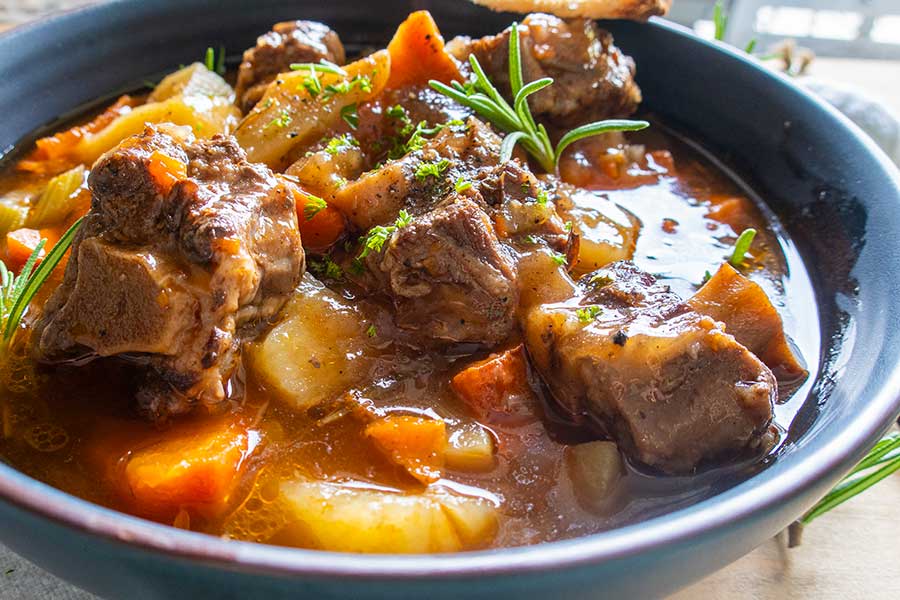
{"x":737,"y":505}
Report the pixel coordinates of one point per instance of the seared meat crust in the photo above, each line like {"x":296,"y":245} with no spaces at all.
{"x":171,"y":273}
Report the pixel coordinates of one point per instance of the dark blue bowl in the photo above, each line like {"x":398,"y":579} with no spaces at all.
{"x":837,"y":194}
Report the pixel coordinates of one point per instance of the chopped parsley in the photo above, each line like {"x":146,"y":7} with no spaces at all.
{"x":325,"y":267}
{"x":558,"y":258}
{"x":371,"y":331}
{"x":531,"y":239}
{"x":376,"y":237}
{"x":434,"y":169}
{"x":741,"y":246}
{"x":314,"y":205}
{"x":588,"y":313}
{"x":707,"y":276}
{"x":339,"y":143}
{"x":350,"y":115}
{"x":542,"y":197}
{"x":282,"y":120}
{"x":462,"y":185}
{"x":568,"y":226}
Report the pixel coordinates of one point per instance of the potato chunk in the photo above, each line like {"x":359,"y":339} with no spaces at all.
{"x":317,"y":351}
{"x":470,"y":448}
{"x":299,"y":108}
{"x":595,"y":468}
{"x":330,"y":516}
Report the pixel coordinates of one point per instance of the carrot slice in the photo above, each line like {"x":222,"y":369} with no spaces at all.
{"x":414,"y":443}
{"x":418,"y":54}
{"x":498,"y":384}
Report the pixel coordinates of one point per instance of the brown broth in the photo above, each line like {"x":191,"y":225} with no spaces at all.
{"x":83,"y":414}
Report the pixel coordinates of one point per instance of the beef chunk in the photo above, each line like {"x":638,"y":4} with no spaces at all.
{"x":186,"y":247}
{"x":288,"y":42}
{"x":377,"y":196}
{"x":511,"y":195}
{"x":448,"y":276}
{"x":592,"y":78}
{"x":669,"y":385}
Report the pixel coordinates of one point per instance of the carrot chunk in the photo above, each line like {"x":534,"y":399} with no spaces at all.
{"x":415,"y":443}
{"x":195,"y":467}
{"x":165,"y":170}
{"x":496,"y":385}
{"x":19,"y":246}
{"x":320,"y":226}
{"x":418,"y":54}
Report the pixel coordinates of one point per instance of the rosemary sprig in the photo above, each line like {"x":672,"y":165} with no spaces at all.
{"x":517,"y":121}
{"x":881,"y":461}
{"x":742,"y":246}
{"x":215,"y":62}
{"x":17,"y":291}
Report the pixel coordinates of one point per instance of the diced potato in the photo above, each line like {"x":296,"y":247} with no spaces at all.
{"x":470,"y":448}
{"x":607,"y":231}
{"x":415,"y":443}
{"x":595,"y":468}
{"x":288,"y":116}
{"x":330,"y":516}
{"x":317,"y":351}
{"x":197,"y":467}
{"x":542,"y":280}
{"x":326,"y":171}
{"x":192,"y":80}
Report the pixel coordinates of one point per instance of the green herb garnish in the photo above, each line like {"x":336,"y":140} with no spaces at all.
{"x":17,"y":291}
{"x":314,"y":205}
{"x":214,"y":62}
{"x":542,"y":197}
{"x":350,"y":115}
{"x":558,"y":258}
{"x":435,"y":169}
{"x":322,"y":66}
{"x":720,"y":21}
{"x":588,"y":313}
{"x":371,"y":331}
{"x":327,"y":268}
{"x":376,"y":237}
{"x":483,"y":97}
{"x":741,"y":246}
{"x":282,"y":120}
{"x":339,"y":143}
{"x":462,"y":185}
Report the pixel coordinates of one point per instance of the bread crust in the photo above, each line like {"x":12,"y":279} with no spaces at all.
{"x":634,"y":10}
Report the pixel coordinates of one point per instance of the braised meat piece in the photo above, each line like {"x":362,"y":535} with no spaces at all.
{"x":455,"y":151}
{"x":448,"y":276}
{"x":186,"y":247}
{"x":593,"y":79}
{"x":668,"y":384}
{"x":288,"y":42}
